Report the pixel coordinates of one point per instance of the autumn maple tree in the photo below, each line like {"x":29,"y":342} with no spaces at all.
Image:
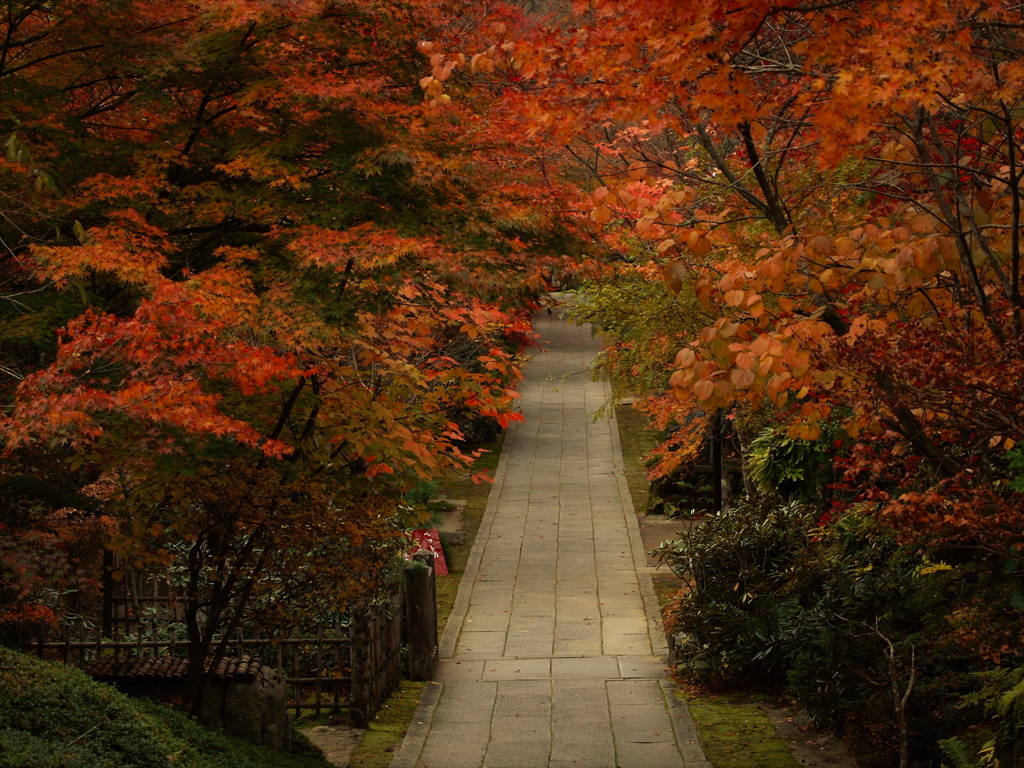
{"x":837,"y":187}
{"x":816,"y":210}
{"x":236,"y":245}
{"x":299,"y":240}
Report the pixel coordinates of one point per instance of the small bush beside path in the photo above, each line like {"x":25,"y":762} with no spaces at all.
{"x":735,"y":731}
{"x":55,"y":716}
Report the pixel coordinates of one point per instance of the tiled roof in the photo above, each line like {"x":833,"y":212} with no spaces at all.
{"x":137,"y":668}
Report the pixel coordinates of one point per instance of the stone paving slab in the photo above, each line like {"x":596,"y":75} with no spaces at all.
{"x":552,"y":658}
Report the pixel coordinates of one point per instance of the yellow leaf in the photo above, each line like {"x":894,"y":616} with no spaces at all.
{"x":675,"y":274}
{"x":949,"y":253}
{"x":820,"y":244}
{"x":685,"y":358}
{"x":703,"y":389}
{"x":923,"y":223}
{"x":728,"y":330}
{"x":637,"y":170}
{"x":697,"y":244}
{"x":741,"y":378}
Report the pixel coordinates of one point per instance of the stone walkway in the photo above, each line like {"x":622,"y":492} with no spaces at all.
{"x":551,"y":658}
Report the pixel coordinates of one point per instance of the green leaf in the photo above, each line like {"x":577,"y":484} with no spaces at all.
{"x":1017,"y":601}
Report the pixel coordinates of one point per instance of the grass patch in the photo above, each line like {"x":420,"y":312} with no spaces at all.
{"x":666,"y":587}
{"x":739,"y":736}
{"x":384,"y":736}
{"x":637,"y":442}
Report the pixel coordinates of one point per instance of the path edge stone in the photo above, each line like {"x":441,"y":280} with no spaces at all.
{"x":659,"y":645}
{"x":416,"y":733}
{"x":687,"y":737}
{"x":446,"y":649}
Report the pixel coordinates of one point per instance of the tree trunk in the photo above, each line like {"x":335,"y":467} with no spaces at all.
{"x":744,"y":440}
{"x":717,"y":476}
{"x":198,"y":651}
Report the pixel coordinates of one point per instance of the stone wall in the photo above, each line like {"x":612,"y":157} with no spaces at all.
{"x":255,"y":710}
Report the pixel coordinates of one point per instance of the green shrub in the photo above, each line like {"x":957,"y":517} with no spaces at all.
{"x":19,"y":749}
{"x":682,"y":495}
{"x":1003,"y":699}
{"x":477,"y":430}
{"x":778,"y":600}
{"x":64,"y":707}
{"x":1015,"y":458}
{"x":855,"y":584}
{"x":740,"y":603}
{"x":422,"y":492}
{"x":944,"y":701}
{"x":56,"y":717}
{"x":960,"y":754}
{"x":790,"y":467}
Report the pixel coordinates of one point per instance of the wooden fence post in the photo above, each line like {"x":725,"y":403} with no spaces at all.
{"x":421,"y":617}
{"x":362,"y":675}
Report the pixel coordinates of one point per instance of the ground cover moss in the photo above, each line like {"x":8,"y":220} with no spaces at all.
{"x":637,"y":442}
{"x":738,"y":736}
{"x":666,"y":588}
{"x":475,"y":495}
{"x":384,"y":736}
